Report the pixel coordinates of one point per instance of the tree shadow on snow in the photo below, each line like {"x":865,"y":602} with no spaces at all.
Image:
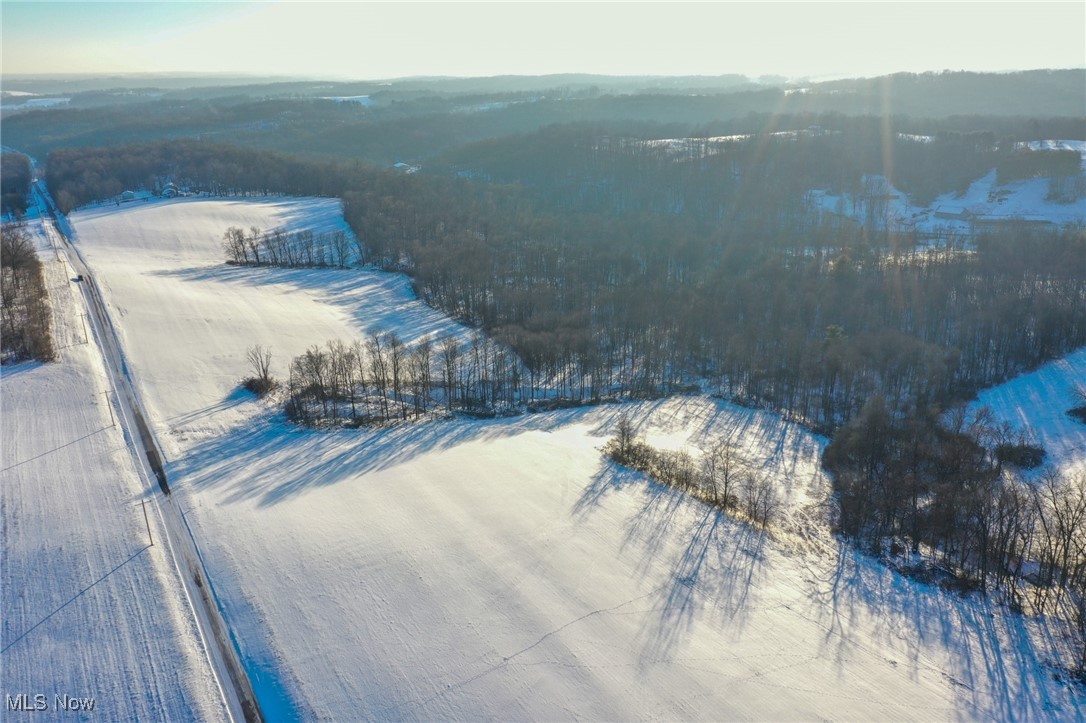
{"x":712,"y":564}
{"x":373,"y":300}
{"x":272,"y":461}
{"x":990,"y":658}
{"x":995,"y":664}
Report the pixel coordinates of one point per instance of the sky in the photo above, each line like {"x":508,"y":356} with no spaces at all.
{"x":373,"y":40}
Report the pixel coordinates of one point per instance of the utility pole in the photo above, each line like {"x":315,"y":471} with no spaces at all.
{"x":147,"y":522}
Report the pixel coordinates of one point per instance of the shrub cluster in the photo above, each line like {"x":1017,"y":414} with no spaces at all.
{"x":721,"y":477}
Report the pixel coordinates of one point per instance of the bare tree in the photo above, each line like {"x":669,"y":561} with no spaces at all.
{"x":418,"y":370}
{"x":358,"y":356}
{"x":720,"y":468}
{"x":396,"y":363}
{"x":378,"y":358}
{"x":449,"y":354}
{"x":233,"y":243}
{"x":341,"y":246}
{"x":759,"y":498}
{"x":252,"y":242}
{"x":261,"y":382}
{"x":260,"y":361}
{"x":16,"y":250}
{"x":625,"y":435}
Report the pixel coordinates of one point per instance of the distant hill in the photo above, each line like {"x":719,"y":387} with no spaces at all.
{"x":419,"y":118}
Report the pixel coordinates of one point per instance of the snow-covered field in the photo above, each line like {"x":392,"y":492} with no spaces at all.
{"x":501,"y":568}
{"x":185,"y":318}
{"x":88,"y":609}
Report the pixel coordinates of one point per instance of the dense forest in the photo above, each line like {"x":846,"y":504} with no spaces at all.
{"x":744,"y":289}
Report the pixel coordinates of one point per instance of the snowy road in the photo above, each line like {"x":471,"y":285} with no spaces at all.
{"x":179,"y":540}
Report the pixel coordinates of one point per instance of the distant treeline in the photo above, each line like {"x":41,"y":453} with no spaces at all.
{"x":414,"y":123}
{"x":1024,"y":163}
{"x":762,"y":165}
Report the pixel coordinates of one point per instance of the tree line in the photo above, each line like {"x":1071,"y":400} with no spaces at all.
{"x":25,"y":330}
{"x":77,"y":176}
{"x":14,"y":183}
{"x":381,"y":378}
{"x":304,"y":248}
{"x":411,"y":121}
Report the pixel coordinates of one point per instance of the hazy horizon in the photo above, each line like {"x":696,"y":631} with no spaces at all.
{"x":383,"y":41}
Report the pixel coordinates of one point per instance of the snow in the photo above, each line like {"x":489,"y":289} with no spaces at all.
{"x":1023,"y":199}
{"x":915,"y":138}
{"x":881,"y":204}
{"x":683,"y":147}
{"x":718,"y":144}
{"x":1054,"y":145}
{"x":88,"y":609}
{"x":32,"y":103}
{"x":985,"y":199}
{"x":359,"y":99}
{"x":1037,"y":404}
{"x":503,"y":569}
{"x":186,"y":319}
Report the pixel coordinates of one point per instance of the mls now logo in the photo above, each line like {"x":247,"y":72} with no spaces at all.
{"x":24,"y":702}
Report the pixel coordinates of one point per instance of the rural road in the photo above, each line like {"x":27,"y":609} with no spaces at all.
{"x":180,"y":542}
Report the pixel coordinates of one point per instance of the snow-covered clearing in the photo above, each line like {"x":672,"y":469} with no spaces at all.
{"x":88,"y":608}
{"x":986,"y":201}
{"x":502,"y":568}
{"x":1037,"y":404}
